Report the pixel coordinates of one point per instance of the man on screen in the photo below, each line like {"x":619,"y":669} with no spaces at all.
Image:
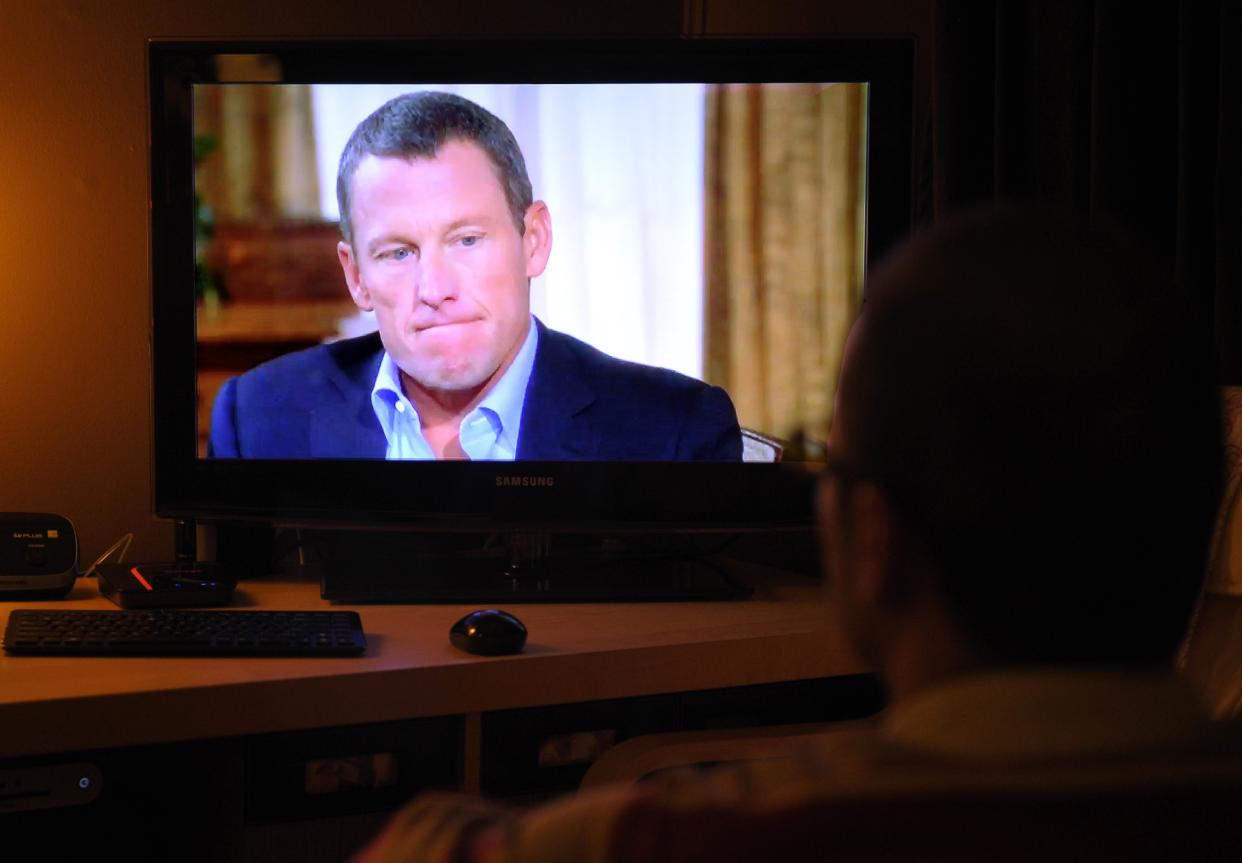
{"x":441,"y":237}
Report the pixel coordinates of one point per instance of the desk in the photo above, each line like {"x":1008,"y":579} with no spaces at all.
{"x":575,"y":654}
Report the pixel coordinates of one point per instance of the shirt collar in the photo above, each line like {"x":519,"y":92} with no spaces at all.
{"x":504,"y":401}
{"x":386,"y":394}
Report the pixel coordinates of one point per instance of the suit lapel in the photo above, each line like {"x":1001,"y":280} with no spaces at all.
{"x":554,"y":427}
{"x":344,"y":425}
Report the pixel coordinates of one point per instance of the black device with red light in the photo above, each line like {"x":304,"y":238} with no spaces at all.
{"x":164,"y":585}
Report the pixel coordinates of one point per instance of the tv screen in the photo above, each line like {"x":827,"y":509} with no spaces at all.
{"x":562,"y":282}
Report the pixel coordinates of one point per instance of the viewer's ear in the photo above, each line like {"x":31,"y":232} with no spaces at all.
{"x":874,"y":537}
{"x":537,"y":238}
{"x":892,"y":566}
{"x":353,"y":278}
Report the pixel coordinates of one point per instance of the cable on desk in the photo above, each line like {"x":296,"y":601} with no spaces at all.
{"x":122,"y":544}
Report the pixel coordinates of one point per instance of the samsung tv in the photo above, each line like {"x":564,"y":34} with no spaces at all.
{"x":710,"y":206}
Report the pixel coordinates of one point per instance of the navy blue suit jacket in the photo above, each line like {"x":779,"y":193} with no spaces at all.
{"x":580,"y":404}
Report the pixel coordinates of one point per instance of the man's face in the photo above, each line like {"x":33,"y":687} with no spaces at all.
{"x":437,"y":255}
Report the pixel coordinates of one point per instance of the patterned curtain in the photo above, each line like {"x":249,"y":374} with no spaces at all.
{"x":784,"y":208}
{"x":262,"y":166}
{"x":1212,"y":655}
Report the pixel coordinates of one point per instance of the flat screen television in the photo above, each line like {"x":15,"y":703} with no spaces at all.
{"x":649,"y":342}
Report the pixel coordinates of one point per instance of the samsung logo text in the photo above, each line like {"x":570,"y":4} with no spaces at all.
{"x":526,"y":481}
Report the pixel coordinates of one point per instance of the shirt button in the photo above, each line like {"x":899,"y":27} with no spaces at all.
{"x":400,"y":407}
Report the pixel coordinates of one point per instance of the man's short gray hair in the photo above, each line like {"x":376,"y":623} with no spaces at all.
{"x":415,"y":126}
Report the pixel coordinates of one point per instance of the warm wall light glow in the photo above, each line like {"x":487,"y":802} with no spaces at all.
{"x":11,"y":182}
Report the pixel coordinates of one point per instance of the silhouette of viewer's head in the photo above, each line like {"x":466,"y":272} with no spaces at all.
{"x":1028,"y":433}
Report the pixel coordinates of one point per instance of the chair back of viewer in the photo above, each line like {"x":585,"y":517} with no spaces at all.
{"x":1154,"y":824}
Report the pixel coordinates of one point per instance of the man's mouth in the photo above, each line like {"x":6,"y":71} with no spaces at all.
{"x":437,"y":325}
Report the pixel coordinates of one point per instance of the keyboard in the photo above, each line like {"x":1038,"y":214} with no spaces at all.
{"x":184,"y":632}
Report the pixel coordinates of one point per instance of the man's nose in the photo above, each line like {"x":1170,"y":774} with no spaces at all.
{"x":436,"y":281}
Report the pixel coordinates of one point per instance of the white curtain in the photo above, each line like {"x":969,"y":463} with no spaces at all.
{"x":621,"y":169}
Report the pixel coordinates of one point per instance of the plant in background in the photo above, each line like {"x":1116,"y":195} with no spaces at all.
{"x":207,"y":288}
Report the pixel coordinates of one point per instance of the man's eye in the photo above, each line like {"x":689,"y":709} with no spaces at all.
{"x":399,"y":254}
{"x":469,"y":240}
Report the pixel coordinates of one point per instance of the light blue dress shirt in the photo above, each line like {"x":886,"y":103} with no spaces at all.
{"x":489,"y":432}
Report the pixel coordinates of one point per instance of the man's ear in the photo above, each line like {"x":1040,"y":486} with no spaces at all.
{"x":353,"y":277}
{"x":537,"y":238}
{"x":875,"y":537}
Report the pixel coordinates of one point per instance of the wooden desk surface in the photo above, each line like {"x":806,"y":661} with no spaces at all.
{"x":574,"y":653}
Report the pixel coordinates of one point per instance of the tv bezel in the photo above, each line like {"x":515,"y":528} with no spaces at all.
{"x":482,"y":495}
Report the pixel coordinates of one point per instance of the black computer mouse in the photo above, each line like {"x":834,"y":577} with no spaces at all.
{"x":489,"y":632}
